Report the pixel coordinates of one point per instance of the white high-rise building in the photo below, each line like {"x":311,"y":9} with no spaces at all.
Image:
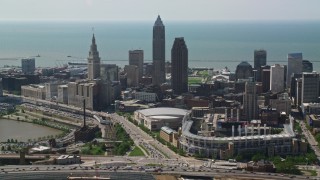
{"x":294,"y":66}
{"x":277,"y":78}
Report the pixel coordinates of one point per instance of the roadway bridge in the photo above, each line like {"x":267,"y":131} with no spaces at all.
{"x":8,"y":159}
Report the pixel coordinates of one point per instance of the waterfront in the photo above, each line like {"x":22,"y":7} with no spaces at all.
{"x":22,"y":131}
{"x":210,"y":44}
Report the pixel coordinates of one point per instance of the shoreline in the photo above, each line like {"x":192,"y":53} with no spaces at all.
{"x":37,"y":138}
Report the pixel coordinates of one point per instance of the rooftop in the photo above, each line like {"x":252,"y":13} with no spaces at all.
{"x":167,"y":130}
{"x":163,"y":111}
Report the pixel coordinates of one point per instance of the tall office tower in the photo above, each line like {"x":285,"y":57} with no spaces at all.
{"x":307,"y":66}
{"x":250,"y":100}
{"x":298,"y":91}
{"x":265,"y":78}
{"x":260,"y":59}
{"x":277,"y":78}
{"x":158,"y":53}
{"x":244,"y":70}
{"x":294,"y":66}
{"x":310,"y":87}
{"x":28,"y":65}
{"x":109,"y":72}
{"x":132,"y":72}
{"x":136,"y":59}
{"x":179,"y":66}
{"x":1,"y":88}
{"x":293,"y":88}
{"x":93,"y":61}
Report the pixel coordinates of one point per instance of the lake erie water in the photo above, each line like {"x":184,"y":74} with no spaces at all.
{"x":210,"y":44}
{"x":22,"y":131}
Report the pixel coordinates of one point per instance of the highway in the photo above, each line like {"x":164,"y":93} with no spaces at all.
{"x":61,"y":172}
{"x":159,"y":154}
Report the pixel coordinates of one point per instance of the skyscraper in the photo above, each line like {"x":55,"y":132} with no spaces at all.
{"x":260,"y":59}
{"x":243,"y":70}
{"x":265,"y":78}
{"x":250,"y":97}
{"x":277,"y":78}
{"x":132,"y":75}
{"x":310,"y":87}
{"x":96,"y":90}
{"x":158,"y":52}
{"x":294,"y":66}
{"x":136,"y":59}
{"x":307,"y":66}
{"x":93,"y":61}
{"x":179,"y":66}
{"x":28,"y":65}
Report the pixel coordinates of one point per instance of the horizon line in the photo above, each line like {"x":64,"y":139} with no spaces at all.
{"x":152,"y":20}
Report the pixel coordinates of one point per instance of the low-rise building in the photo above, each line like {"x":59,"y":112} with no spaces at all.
{"x":282,"y":103}
{"x":310,"y":108}
{"x":51,"y":90}
{"x":313,"y":120}
{"x":34,"y":91}
{"x":146,"y":96}
{"x":261,"y":166}
{"x":63,"y":94}
{"x":68,"y":159}
{"x":40,"y":149}
{"x":269,"y":116}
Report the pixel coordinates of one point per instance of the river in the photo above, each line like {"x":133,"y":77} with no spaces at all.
{"x":22,"y":131}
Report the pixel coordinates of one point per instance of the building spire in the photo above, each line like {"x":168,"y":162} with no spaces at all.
{"x":158,"y":21}
{"x":93,"y":39}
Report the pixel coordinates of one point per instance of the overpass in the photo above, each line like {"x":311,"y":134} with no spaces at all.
{"x":15,"y":159}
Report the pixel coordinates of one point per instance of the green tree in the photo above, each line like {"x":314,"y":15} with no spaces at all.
{"x":258,"y":157}
{"x":98,"y":134}
{"x":239,"y":158}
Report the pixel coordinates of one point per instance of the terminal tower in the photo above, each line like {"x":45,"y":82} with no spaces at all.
{"x":93,"y":61}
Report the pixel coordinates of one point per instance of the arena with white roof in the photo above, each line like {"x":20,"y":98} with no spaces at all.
{"x":155,"y":118}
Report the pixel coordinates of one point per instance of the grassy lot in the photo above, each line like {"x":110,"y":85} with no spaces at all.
{"x":203,"y":73}
{"x":136,"y":152}
{"x":91,"y":149}
{"x":144,"y":149}
{"x":194,"y":80}
{"x":309,"y":172}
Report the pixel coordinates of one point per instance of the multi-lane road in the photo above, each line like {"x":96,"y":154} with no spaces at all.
{"x":158,"y":154}
{"x":61,"y":172}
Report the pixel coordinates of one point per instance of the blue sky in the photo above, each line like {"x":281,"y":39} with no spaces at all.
{"x":128,"y":10}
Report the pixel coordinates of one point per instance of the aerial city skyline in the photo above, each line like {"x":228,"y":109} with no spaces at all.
{"x":174,"y":107}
